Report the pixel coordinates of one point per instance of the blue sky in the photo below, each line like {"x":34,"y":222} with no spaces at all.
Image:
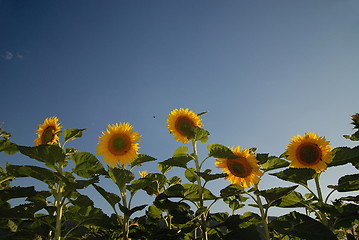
{"x":264,"y":70}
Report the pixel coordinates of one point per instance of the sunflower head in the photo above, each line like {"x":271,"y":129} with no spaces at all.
{"x":355,"y":119}
{"x":242,"y":171}
{"x":119,"y":143}
{"x":309,"y":151}
{"x":143,"y":174}
{"x":48,"y":132}
{"x":180,"y":123}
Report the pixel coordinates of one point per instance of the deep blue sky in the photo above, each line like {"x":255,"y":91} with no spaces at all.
{"x":264,"y":70}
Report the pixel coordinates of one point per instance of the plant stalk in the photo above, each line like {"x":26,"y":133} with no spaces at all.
{"x":322,"y":215}
{"x":200,"y":191}
{"x":264,"y":217}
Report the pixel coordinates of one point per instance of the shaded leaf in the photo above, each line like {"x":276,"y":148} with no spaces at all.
{"x":274,"y":163}
{"x":121,"y":177}
{"x":347,"y":183}
{"x":274,"y":194}
{"x":300,"y":225}
{"x":142,"y":158}
{"x":48,"y":154}
{"x":39,"y":173}
{"x":262,"y":157}
{"x":207,"y":176}
{"x":177,"y":161}
{"x":291,"y":200}
{"x":344,"y":155}
{"x":231,"y":190}
{"x":190,"y":174}
{"x":8,"y":147}
{"x":296,"y":175}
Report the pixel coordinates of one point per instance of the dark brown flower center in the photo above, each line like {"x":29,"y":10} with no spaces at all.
{"x":309,"y":153}
{"x":184,"y":125}
{"x":119,"y":145}
{"x":239,"y":167}
{"x":48,"y":135}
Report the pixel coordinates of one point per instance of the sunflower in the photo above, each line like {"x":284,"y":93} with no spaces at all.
{"x":48,"y":132}
{"x":243,"y":171}
{"x":118,"y":144}
{"x":310,"y":151}
{"x":180,"y":122}
{"x":143,"y":174}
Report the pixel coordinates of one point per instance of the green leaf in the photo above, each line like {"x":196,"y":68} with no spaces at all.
{"x":274,"y":163}
{"x":48,"y":154}
{"x":231,"y":190}
{"x":142,"y":158}
{"x":262,"y":157}
{"x":192,"y":193}
{"x":344,"y":155}
{"x":296,"y":175}
{"x":45,"y":175}
{"x":177,"y":161}
{"x":347,"y":183}
{"x":220,"y":151}
{"x":8,"y":147}
{"x":291,"y":200}
{"x":274,"y":194}
{"x":190,"y":174}
{"x":207,"y":176}
{"x":180,"y":152}
{"x":302,"y":226}
{"x":235,"y":205}
{"x":87,"y":165}
{"x":16,"y":192}
{"x":111,"y":198}
{"x":200,"y":134}
{"x":121,"y":177}
{"x":174,"y":180}
{"x":72,"y":133}
{"x":154,"y":212}
{"x":163,"y":168}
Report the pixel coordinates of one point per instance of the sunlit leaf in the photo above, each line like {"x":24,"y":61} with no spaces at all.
{"x":180,"y":151}
{"x":72,"y":133}
{"x":201,"y":134}
{"x":190,"y":174}
{"x":121,"y":176}
{"x":154,"y":212}
{"x":220,"y":151}
{"x":192,"y":193}
{"x":291,"y":200}
{"x":207,"y":176}
{"x":344,"y":155}
{"x":87,"y":165}
{"x":231,"y":190}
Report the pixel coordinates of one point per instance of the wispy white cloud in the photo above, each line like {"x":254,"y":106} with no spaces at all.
{"x":9,"y":55}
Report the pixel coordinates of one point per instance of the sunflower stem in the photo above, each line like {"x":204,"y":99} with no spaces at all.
{"x":264,"y":217}
{"x":126,"y":218}
{"x":200,"y":190}
{"x":323,"y":217}
{"x":59,"y":206}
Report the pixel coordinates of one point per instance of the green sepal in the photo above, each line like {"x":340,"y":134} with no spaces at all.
{"x":296,"y":175}
{"x":220,"y":151}
{"x":87,"y":165}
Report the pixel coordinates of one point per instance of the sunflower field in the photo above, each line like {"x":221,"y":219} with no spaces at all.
{"x":182,"y":205}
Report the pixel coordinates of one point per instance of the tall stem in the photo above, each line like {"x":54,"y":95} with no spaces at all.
{"x":264,"y":217}
{"x":59,"y":208}
{"x":323,"y":217}
{"x":200,"y":191}
{"x":126,"y":218}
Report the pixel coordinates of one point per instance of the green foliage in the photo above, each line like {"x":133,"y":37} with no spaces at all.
{"x":296,"y":175}
{"x":347,"y":183}
{"x":299,"y":225}
{"x":87,"y":165}
{"x":220,"y":151}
